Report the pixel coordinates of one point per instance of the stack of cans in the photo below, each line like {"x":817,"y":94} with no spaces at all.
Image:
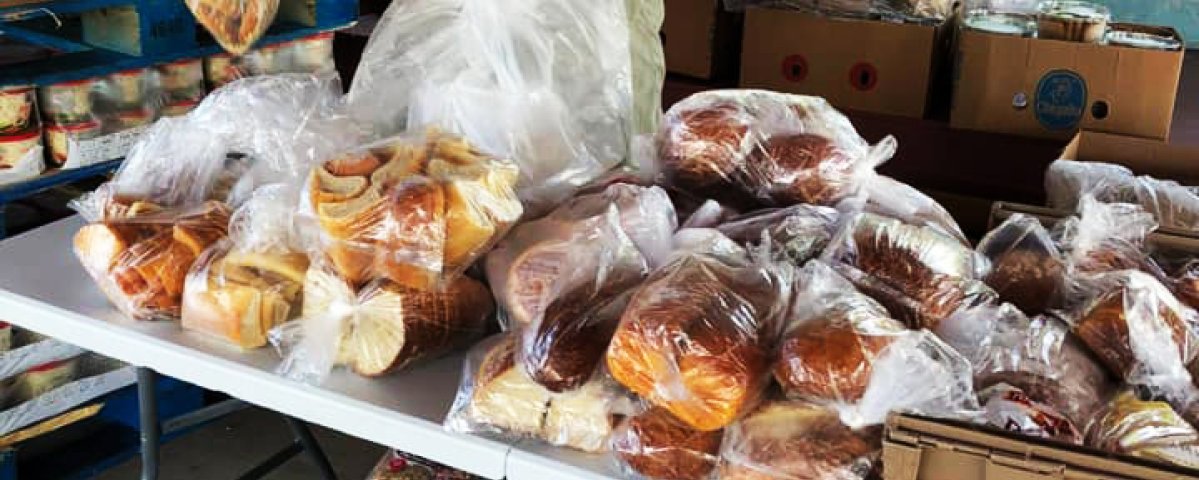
{"x":309,"y":54}
{"x":20,"y":133}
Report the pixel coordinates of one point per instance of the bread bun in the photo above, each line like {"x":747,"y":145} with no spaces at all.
{"x":1029,"y":279}
{"x":413,"y":235}
{"x":581,"y":419}
{"x":1120,"y":311}
{"x":563,"y":349}
{"x":657,"y":445}
{"x":705,"y":148}
{"x":800,"y":168}
{"x":831,"y":358}
{"x":241,"y":296}
{"x":1148,"y":430}
{"x":236,"y":25}
{"x":797,"y":440}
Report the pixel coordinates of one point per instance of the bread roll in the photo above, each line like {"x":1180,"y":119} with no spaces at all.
{"x":241,"y":296}
{"x":703,"y":152}
{"x":797,"y":440}
{"x":1149,"y":430}
{"x":503,"y":397}
{"x":562,"y":350}
{"x":655,"y":444}
{"x":696,"y":339}
{"x":800,"y":168}
{"x":412,"y":237}
{"x":1027,"y":269}
{"x":582,"y":418}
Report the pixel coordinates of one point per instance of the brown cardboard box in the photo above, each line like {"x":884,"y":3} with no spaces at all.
{"x":701,"y":39}
{"x":1051,"y":88}
{"x":916,"y":448}
{"x":865,"y":65}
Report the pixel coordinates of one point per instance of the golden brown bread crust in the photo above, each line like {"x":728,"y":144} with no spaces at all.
{"x":1104,"y":328}
{"x":563,"y":350}
{"x":800,"y":441}
{"x":1029,"y":279}
{"x":413,"y":234}
{"x":832,"y":358}
{"x":240,"y":296}
{"x":235,"y":24}
{"x":659,"y":446}
{"x":1149,"y":430}
{"x":800,"y":168}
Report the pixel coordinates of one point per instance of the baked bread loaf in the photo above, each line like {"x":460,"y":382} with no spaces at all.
{"x":1009,"y":408}
{"x":655,"y":444}
{"x":582,"y":418}
{"x":503,"y":397}
{"x":799,"y":233}
{"x":416,"y":212}
{"x":1149,"y":430}
{"x":1027,"y":269}
{"x":239,"y":296}
{"x":797,"y":440}
{"x":696,"y":339}
{"x":141,"y":262}
{"x":562,"y":350}
{"x":235,"y":24}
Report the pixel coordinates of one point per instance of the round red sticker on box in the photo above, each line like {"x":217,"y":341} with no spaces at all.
{"x":863,"y":77}
{"x":795,"y":68}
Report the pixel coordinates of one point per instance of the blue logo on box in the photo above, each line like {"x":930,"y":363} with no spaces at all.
{"x":1061,"y":100}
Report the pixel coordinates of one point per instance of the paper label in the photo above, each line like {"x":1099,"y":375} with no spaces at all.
{"x":84,"y":152}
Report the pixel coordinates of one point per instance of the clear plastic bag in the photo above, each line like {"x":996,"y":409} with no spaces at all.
{"x":235,"y":24}
{"x":654,"y":445}
{"x":919,"y":273}
{"x":799,"y":233}
{"x":378,"y":329}
{"x":1068,"y":181}
{"x":1172,"y":204}
{"x":900,"y":10}
{"x":697,"y":336}
{"x":140,"y":261}
{"x":415,"y":209}
{"x":708,"y":214}
{"x":751,"y":147}
{"x":241,"y":288}
{"x":1106,"y":237}
{"x":798,"y":441}
{"x":1149,"y":430}
{"x":1027,"y":269}
{"x":885,"y":196}
{"x":397,"y":465}
{"x":1008,"y":408}
{"x":554,"y":85}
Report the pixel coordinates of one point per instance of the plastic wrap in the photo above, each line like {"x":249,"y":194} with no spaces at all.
{"x":1027,"y":269}
{"x":654,"y":445}
{"x":697,"y":336}
{"x":1067,"y":181}
{"x":797,"y":441}
{"x":1138,"y":329}
{"x":1172,"y":204}
{"x":235,"y":24}
{"x":708,"y":214}
{"x":553,"y":85}
{"x":920,"y":274}
{"x":1008,"y":408}
{"x":1107,"y":237}
{"x":901,"y":10}
{"x":415,"y":209}
{"x":883,"y":195}
{"x":378,"y":329}
{"x":753,"y":147}
{"x":240,"y":289}
{"x":497,"y":398}
{"x":1149,"y":430}
{"x":140,"y":261}
{"x":799,"y":233}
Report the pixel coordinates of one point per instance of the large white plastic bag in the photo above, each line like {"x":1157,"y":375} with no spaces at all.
{"x":546,"y":82}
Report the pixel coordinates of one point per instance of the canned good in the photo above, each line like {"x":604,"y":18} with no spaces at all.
{"x":16,"y":109}
{"x":1072,"y":20}
{"x":1014,"y":24}
{"x":313,"y":53}
{"x":14,"y":147}
{"x":179,"y":108}
{"x":183,"y":79}
{"x":270,"y":59}
{"x":134,"y":118}
{"x":67,"y":102}
{"x":57,"y":136}
{"x":43,"y":378}
{"x":1126,"y":38}
{"x":129,"y":87}
{"x":223,"y":68}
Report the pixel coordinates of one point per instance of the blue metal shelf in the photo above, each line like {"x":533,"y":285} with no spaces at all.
{"x":17,"y":191}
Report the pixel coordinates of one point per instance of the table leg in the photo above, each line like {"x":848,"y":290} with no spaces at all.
{"x":147,"y":402}
{"x":311,"y":447}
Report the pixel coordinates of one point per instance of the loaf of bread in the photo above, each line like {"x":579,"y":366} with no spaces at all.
{"x":656,"y":445}
{"x":415,"y":211}
{"x":239,"y":296}
{"x":235,"y":24}
{"x":141,"y":262}
{"x":696,"y":338}
{"x":1009,"y":408}
{"x":1027,"y":269}
{"x":1149,"y":430}
{"x":562,"y":350}
{"x":797,"y":440}
{"x":582,"y":418}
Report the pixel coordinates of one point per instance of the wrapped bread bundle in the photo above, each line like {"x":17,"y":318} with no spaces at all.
{"x":752,"y":147}
{"x":1149,"y":430}
{"x":920,"y":274}
{"x":235,"y":24}
{"x":798,"y":233}
{"x":140,"y":262}
{"x":657,"y":446}
{"x":1106,"y":237}
{"x":415,"y":210}
{"x":497,"y":398}
{"x":888,"y":197}
{"x":798,"y":441}
{"x":243,"y":287}
{"x":836,"y":334}
{"x":1171,"y":204}
{"x":1027,"y":269}
{"x":696,"y":337}
{"x":1008,"y":408}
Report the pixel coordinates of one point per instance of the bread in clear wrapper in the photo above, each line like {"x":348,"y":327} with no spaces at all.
{"x":1027,"y":269}
{"x":799,"y":233}
{"x":655,"y":445}
{"x":1105,"y":237}
{"x":795,"y":440}
{"x":1145,"y":429}
{"x":235,"y":24}
{"x":1009,"y":408}
{"x":1171,"y":204}
{"x":752,"y":147}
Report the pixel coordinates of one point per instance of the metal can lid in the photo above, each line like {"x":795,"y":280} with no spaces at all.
{"x":1074,"y":10}
{"x":1126,"y":38}
{"x":1000,"y":23}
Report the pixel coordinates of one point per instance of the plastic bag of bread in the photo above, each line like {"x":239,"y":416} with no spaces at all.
{"x":1008,"y":408}
{"x":835,"y":334}
{"x":1145,"y":429}
{"x":243,"y":287}
{"x":1067,"y":181}
{"x":140,"y":261}
{"x":1137,"y":329}
{"x":416,"y":209}
{"x":794,"y":440}
{"x":1027,"y":269}
{"x":397,"y":465}
{"x":565,"y":108}
{"x":496,"y":398}
{"x":1172,"y":204}
{"x":1106,"y":237}
{"x":654,"y":445}
{"x":752,"y":147}
{"x":883,"y":195}
{"x":378,"y":329}
{"x":1038,"y":356}
{"x":235,"y":24}
{"x":697,"y":335}
{"x":799,"y":233}
{"x":919,"y":273}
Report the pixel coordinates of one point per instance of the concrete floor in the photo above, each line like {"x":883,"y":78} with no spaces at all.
{"x":227,"y":448}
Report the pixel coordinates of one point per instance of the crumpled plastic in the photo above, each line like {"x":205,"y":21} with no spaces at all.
{"x":791,"y":440}
{"x":1105,"y":237}
{"x":654,"y":445}
{"x":799,"y":233}
{"x":1145,"y":429}
{"x":1171,"y":204}
{"x":1008,"y":408}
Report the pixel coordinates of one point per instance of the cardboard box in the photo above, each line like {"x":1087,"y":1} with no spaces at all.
{"x":701,"y":39}
{"x":865,"y":65}
{"x":1051,"y":88}
{"x":916,"y":448}
{"x":1143,"y":156}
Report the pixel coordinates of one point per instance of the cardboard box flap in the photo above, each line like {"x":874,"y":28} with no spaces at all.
{"x":1144,"y":156}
